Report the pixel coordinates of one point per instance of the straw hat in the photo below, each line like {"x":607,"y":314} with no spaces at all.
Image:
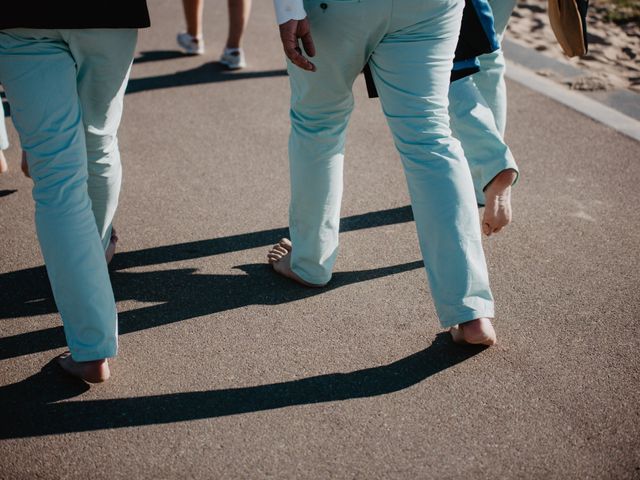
{"x":568,"y":20}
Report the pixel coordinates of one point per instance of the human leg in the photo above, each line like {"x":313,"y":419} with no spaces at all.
{"x":411,"y":68}
{"x":103,"y":60}
{"x":193,"y":11}
{"x":478,"y":118}
{"x":39,"y":75}
{"x":316,"y":156}
{"x":233,"y":55}
{"x":321,"y":103}
{"x":490,"y":79}
{"x":239,"y":11}
{"x":473,"y":124}
{"x":192,"y":40}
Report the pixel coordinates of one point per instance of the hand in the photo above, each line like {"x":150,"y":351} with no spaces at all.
{"x":290,"y":32}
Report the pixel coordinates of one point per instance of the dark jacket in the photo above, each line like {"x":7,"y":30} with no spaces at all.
{"x":74,"y":14}
{"x":477,"y":37}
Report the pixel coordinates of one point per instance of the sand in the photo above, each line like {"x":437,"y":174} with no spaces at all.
{"x":613,"y":59}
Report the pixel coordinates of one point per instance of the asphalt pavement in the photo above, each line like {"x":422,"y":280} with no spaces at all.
{"x":226,"y":370}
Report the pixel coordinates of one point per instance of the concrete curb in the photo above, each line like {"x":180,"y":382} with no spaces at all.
{"x":579,"y":102}
{"x":618,"y":109}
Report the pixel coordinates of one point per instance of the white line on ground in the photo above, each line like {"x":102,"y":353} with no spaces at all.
{"x":596,"y":110}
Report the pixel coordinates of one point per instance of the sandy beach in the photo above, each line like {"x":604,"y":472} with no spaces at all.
{"x":613,"y":59}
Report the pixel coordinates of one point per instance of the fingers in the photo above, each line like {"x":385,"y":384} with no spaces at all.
{"x":307,"y":43}
{"x":290,"y":32}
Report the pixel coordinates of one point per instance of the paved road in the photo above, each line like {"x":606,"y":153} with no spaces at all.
{"x":226,"y":371}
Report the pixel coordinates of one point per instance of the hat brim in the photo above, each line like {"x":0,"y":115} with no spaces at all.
{"x":568,"y":20}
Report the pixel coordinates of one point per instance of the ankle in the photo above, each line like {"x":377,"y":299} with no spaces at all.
{"x":96,"y":370}
{"x":502,"y":180}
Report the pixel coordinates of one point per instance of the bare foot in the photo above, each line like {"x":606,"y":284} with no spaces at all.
{"x":280,"y":259}
{"x":476,"y":332}
{"x":3,"y":163}
{"x":497,"y":211}
{"x":111,"y":248}
{"x":96,"y":371}
{"x":24,"y":166}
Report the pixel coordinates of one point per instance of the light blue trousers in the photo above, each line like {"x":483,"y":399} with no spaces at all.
{"x":4,"y":138}
{"x":66,"y":90}
{"x":409,"y":45}
{"x":478,"y":110}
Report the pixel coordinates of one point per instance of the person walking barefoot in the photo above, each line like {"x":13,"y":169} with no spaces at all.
{"x":67,"y":87}
{"x":478,"y":111}
{"x":409,"y":47}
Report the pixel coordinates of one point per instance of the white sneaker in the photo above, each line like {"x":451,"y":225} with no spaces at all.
{"x":233,"y":58}
{"x":190,"y":44}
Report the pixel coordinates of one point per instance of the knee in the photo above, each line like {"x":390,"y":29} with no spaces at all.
{"x":321,"y":118}
{"x":100,"y":144}
{"x":61,"y":190}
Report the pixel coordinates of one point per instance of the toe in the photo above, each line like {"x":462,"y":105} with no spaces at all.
{"x":272,"y":257}
{"x":286,"y":244}
{"x":279,"y":251}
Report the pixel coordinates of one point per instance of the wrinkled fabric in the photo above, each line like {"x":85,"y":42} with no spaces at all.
{"x":410,"y":47}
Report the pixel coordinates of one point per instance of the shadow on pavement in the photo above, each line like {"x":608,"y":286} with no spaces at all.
{"x":245,"y":241}
{"x":28,"y":408}
{"x":5,"y":104}
{"x":181,"y":293}
{"x":210,"y":72}
{"x":158,"y":55}
{"x":185,"y":294}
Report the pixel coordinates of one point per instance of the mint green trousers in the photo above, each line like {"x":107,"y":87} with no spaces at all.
{"x":478,"y":110}
{"x":409,"y":45}
{"x":66,"y":90}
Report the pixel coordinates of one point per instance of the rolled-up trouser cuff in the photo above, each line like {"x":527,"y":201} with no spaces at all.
{"x":85,"y":355}
{"x":466,"y":316}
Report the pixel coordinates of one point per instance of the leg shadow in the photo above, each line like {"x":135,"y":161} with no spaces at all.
{"x":27,"y":292}
{"x":158,"y":55}
{"x":183,"y":294}
{"x":207,"y":73}
{"x":25,"y":413}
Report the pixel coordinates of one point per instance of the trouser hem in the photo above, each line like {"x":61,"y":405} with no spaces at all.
{"x":507,"y":166}
{"x":88,"y":356}
{"x":452,"y":321}
{"x":314,"y":280}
